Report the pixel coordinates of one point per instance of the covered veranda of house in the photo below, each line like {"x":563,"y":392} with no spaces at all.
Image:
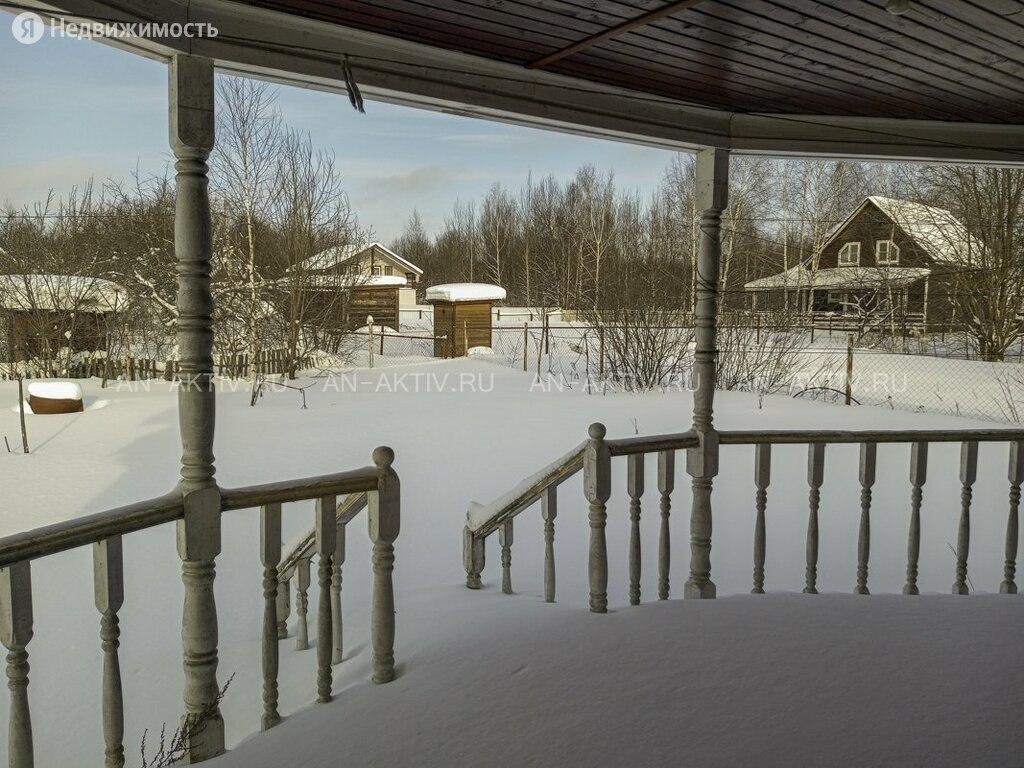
{"x":715,"y":77}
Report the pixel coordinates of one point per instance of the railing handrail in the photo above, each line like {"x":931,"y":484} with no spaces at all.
{"x":484,"y":519}
{"x":90,"y":529}
{"x":630,"y":446}
{"x":336,"y":484}
{"x":804,"y":436}
{"x":346,"y":510}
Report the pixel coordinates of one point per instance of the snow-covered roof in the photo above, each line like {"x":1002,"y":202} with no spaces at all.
{"x":346,"y":280}
{"x":339,"y":256}
{"x":937,"y":231}
{"x":60,"y":292}
{"x":465,"y":292}
{"x":840,"y":277}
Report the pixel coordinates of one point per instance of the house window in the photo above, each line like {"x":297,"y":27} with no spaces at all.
{"x":887,"y":252}
{"x":389,"y":271}
{"x":375,"y":270}
{"x":849,"y":255}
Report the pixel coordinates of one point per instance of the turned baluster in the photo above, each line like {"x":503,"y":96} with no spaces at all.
{"x":385,"y":519}
{"x":326,"y":543}
{"x":15,"y":633}
{"x":505,"y":542}
{"x":968,"y":474}
{"x":270,"y":556}
{"x":868,"y":456}
{"x":284,"y":607}
{"x":762,"y":477}
{"x":597,"y":484}
{"x":548,"y":512}
{"x":301,"y":603}
{"x":472,"y":557}
{"x":815,"y":475}
{"x":1016,"y":477}
{"x":108,"y":583}
{"x":666,"y":484}
{"x":918,"y":475}
{"x":635,"y":489}
{"x":338,"y":627}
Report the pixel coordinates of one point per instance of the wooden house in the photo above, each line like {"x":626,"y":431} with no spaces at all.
{"x":462,"y":316}
{"x":46,"y":313}
{"x":888,"y":261}
{"x":371,"y":260}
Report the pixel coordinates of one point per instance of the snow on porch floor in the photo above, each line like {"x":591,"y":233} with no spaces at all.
{"x":776,"y":680}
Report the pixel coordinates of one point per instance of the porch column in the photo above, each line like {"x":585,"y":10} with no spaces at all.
{"x":191,"y":134}
{"x":712,"y":196}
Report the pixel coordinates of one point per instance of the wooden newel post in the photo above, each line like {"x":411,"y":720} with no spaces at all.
{"x":472,"y":558}
{"x":15,"y":633}
{"x":1016,"y":477}
{"x":385,"y":518}
{"x":597,"y":482}
{"x":712,"y":196}
{"x":191,"y":137}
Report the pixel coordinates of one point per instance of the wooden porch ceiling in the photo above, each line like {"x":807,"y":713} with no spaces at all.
{"x":948,"y":61}
{"x":826,"y":78}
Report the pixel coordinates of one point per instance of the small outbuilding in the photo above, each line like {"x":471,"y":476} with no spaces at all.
{"x":462,"y":316}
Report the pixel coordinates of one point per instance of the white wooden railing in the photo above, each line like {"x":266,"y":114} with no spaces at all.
{"x":595,"y":455}
{"x":374,"y":486}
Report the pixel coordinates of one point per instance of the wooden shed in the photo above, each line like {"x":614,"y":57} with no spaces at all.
{"x":462,"y":316}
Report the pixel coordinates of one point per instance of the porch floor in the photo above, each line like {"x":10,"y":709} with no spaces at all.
{"x":776,"y":680}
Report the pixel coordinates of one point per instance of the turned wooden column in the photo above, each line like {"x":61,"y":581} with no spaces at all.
{"x":712,"y":196}
{"x":191,"y":137}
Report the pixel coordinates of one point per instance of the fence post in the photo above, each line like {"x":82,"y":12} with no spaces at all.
{"x":526,"y":346}
{"x":757,"y":324}
{"x":600,"y":352}
{"x":849,"y":367}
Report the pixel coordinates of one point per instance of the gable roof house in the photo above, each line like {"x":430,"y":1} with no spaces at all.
{"x":342,"y":285}
{"x":888,"y":262}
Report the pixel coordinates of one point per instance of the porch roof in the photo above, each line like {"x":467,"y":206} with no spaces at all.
{"x":839,"y":277}
{"x":768,"y":76}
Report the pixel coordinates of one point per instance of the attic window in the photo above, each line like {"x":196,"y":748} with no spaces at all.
{"x":375,"y":270}
{"x":887,"y":252}
{"x":389,"y":270}
{"x":849,"y":255}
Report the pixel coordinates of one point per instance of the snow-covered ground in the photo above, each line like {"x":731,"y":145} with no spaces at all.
{"x":782,"y":679}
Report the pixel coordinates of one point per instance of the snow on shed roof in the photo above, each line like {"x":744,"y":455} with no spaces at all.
{"x":60,"y":292}
{"x":465,"y":292}
{"x":347,"y":280}
{"x":840,"y":277}
{"x":338,"y":256}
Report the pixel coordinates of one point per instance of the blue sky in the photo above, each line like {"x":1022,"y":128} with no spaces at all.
{"x":72,"y":109}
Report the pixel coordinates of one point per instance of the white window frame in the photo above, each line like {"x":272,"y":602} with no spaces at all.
{"x":854,"y":247}
{"x":890,"y":250}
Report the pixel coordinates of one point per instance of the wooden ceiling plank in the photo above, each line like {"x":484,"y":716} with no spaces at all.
{"x":914,"y":32}
{"x":828,"y":27}
{"x":801,"y":43}
{"x":853,"y":87}
{"x":651,"y":16}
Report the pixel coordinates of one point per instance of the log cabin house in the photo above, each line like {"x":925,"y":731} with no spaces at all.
{"x":889,"y":263}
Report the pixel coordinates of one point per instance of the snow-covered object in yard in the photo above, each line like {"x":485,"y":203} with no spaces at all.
{"x":455,"y":292}
{"x":55,"y":397}
{"x":479,"y":351}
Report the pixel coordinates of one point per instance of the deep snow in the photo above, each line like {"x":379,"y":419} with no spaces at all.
{"x":756,"y":677}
